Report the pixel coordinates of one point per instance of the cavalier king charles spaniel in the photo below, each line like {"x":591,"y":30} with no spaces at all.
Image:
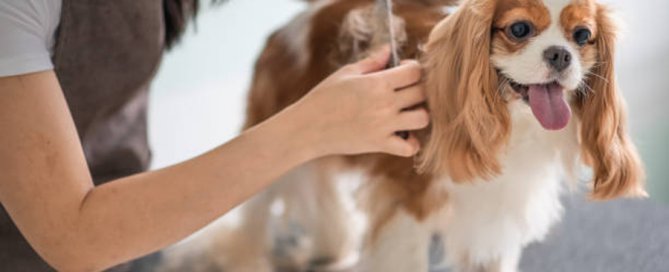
{"x":521,"y":92}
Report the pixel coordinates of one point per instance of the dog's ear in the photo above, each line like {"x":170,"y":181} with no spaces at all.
{"x":470,"y":120}
{"x":606,"y":147}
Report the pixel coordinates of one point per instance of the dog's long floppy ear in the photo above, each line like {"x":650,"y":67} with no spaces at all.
{"x":470,"y":120}
{"x":606,"y":147}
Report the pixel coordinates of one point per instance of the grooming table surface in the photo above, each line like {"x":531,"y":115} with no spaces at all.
{"x":613,"y":236}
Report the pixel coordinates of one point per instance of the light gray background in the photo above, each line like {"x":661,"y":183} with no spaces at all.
{"x":198,"y":99}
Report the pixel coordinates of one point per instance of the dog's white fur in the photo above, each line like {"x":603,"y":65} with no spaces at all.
{"x":489,"y":222}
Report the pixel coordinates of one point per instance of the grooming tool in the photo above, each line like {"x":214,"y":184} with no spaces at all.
{"x":386,"y":21}
{"x":385,"y":15}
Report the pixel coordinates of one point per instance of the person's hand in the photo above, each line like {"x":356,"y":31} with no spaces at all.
{"x":359,"y":108}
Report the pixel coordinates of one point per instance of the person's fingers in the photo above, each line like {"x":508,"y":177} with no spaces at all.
{"x":413,"y":119}
{"x":404,"y":75}
{"x":375,"y":62}
{"x":400,"y":147}
{"x":411,"y":96}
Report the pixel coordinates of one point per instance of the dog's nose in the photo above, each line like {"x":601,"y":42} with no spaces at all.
{"x":557,"y":57}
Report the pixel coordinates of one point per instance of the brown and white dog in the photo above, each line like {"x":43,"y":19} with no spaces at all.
{"x":503,"y":78}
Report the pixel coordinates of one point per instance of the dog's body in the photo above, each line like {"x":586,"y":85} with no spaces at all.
{"x":487,"y":197}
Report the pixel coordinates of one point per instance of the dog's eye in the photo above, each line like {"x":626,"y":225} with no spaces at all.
{"x":582,"y":36}
{"x":520,"y":30}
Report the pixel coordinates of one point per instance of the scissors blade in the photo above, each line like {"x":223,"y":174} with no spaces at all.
{"x":385,"y":8}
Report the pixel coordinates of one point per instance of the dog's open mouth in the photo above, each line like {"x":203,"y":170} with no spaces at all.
{"x":548,"y":103}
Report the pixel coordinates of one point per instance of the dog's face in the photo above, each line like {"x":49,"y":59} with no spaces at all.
{"x":557,"y":56}
{"x":544,"y":50}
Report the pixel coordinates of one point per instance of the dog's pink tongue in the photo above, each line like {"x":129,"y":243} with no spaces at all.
{"x":549,"y":106}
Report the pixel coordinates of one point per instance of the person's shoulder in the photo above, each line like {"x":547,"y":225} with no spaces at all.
{"x":41,"y":12}
{"x":28,"y":29}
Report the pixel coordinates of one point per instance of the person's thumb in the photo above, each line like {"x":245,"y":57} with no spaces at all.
{"x":377,"y":61}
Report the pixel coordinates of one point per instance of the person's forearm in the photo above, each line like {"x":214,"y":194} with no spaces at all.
{"x":142,"y":213}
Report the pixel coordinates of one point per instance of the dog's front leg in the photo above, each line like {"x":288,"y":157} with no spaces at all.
{"x":400,"y":244}
{"x":507,"y":262}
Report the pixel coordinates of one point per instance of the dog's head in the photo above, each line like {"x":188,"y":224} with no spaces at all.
{"x":556,"y":56}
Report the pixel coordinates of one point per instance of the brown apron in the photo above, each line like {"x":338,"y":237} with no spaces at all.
{"x":106,"y":55}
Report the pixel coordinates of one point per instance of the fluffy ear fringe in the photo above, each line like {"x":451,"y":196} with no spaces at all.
{"x":470,"y":120}
{"x":606,"y":147}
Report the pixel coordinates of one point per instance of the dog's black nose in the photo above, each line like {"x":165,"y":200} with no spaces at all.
{"x":558,"y":58}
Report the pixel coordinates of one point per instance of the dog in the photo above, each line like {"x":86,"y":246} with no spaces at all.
{"x":521,"y":94}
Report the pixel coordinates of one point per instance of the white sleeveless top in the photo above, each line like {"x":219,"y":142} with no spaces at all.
{"x":27,"y":28}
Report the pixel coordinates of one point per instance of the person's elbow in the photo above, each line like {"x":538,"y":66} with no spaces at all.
{"x":68,"y":255}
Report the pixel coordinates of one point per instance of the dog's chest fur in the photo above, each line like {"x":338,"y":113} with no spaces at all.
{"x":489,"y":218}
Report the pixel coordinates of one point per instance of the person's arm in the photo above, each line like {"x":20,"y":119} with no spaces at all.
{"x":47,"y":189}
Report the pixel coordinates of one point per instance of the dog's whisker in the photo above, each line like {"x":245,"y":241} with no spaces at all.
{"x":599,"y":76}
{"x":585,"y":88}
{"x":500,"y":87}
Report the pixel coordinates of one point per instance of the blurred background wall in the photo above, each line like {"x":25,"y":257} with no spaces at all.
{"x":198,"y":99}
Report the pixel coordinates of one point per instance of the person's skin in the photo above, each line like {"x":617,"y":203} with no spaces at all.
{"x":46,"y":187}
